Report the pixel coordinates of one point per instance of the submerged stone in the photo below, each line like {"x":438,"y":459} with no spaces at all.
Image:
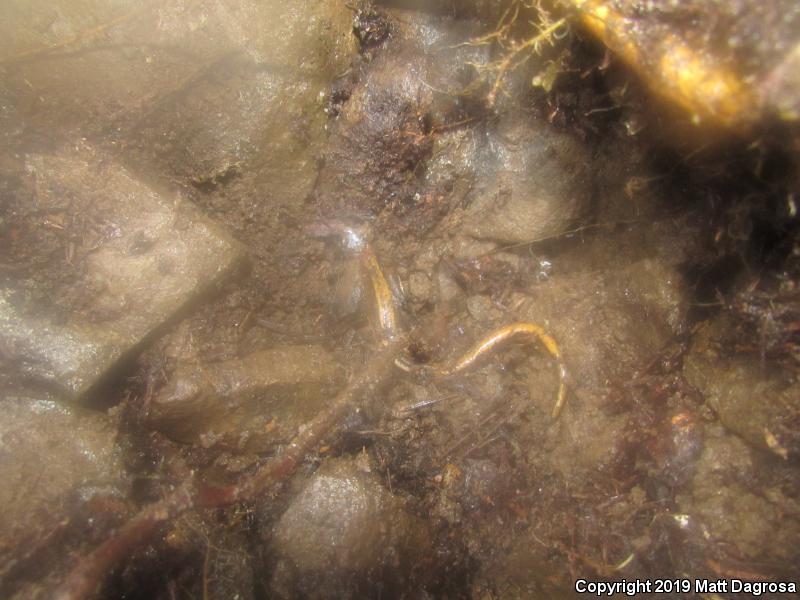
{"x":246,"y":404}
{"x":258,"y":108}
{"x":533,"y":182}
{"x":341,"y":529}
{"x":124,"y":259}
{"x":106,"y":62}
{"x":51,"y":457}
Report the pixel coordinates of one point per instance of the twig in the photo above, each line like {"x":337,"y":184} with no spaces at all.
{"x":92,"y":569}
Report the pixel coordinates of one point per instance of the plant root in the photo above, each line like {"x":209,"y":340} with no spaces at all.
{"x":93,"y":568}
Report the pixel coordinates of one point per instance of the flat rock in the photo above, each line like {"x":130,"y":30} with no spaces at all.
{"x":50,"y":456}
{"x":84,"y":67}
{"x":246,"y":404}
{"x":259,"y":108}
{"x":109,"y":259}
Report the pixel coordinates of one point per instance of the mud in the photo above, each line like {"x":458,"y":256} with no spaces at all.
{"x":166,"y":176}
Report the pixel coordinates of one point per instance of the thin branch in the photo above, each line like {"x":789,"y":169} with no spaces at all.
{"x":91,"y":570}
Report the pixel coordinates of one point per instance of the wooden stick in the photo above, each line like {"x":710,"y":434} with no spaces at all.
{"x":92,"y":569}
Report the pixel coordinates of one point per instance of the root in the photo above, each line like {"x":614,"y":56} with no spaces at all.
{"x":517,"y":52}
{"x":503,"y":29}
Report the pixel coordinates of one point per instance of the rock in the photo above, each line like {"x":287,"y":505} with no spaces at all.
{"x":482,"y":309}
{"x":131,"y":58}
{"x":420,"y":287}
{"x":51,"y":458}
{"x":756,"y":401}
{"x":343,"y":532}
{"x":249,"y":404}
{"x":383,"y":136}
{"x":455,"y":160}
{"x":259,"y":110}
{"x":534,"y":182}
{"x":447,"y":287}
{"x":109,"y":260}
{"x":736,"y":508}
{"x":72,"y":360}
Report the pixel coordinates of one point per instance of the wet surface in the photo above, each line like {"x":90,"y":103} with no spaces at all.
{"x":121,"y":259}
{"x":215,"y":216}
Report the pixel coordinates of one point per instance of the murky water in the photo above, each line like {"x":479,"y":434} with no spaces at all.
{"x":313,"y":300}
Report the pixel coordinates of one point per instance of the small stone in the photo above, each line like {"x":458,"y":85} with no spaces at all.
{"x":343,"y":528}
{"x":448,"y":287}
{"x":537,"y":185}
{"x":481,"y":309}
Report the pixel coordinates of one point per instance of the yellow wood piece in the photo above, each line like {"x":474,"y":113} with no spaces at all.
{"x":673,"y":70}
